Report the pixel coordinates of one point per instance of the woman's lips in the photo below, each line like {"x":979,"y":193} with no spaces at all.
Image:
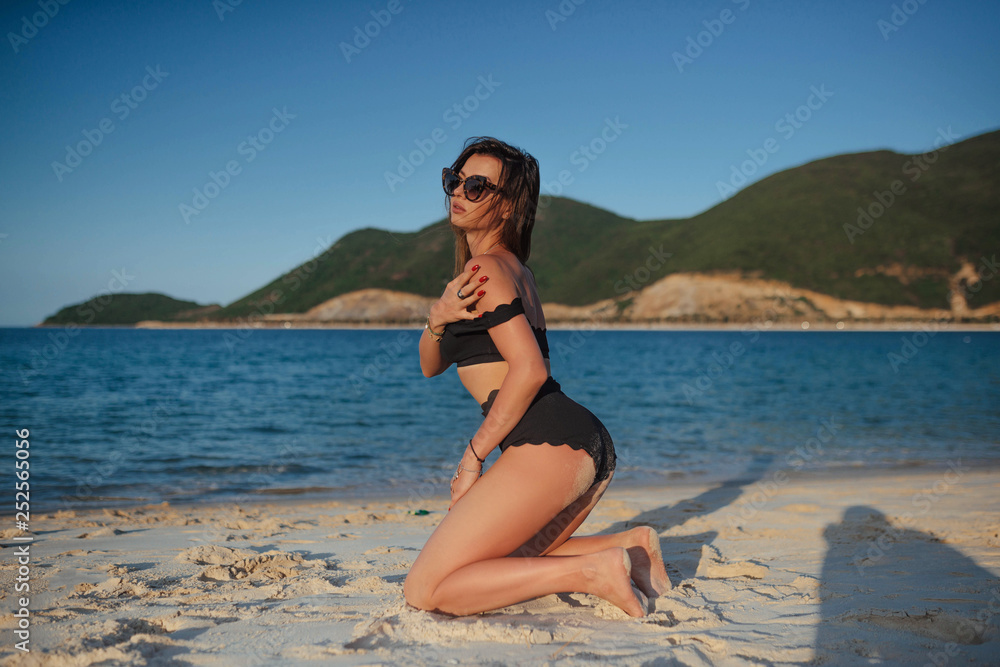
{"x":455,"y":208}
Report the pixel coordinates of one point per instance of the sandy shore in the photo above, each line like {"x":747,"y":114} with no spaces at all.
{"x":896,"y":568}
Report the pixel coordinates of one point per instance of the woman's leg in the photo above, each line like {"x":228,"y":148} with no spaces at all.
{"x":464,"y":568}
{"x":643,"y":546}
{"x":641,"y":542}
{"x":564,"y":524}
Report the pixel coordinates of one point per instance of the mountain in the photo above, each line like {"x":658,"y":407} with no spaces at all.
{"x":125,"y":309}
{"x":900,"y":231}
{"x":877,"y":227}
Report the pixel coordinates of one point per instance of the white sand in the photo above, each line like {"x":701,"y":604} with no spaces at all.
{"x":894,"y":568}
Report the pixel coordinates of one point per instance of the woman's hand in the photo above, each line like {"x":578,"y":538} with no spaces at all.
{"x":465,"y":476}
{"x":450,"y":308}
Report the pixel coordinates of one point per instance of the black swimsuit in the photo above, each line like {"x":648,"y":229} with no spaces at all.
{"x":552,"y":417}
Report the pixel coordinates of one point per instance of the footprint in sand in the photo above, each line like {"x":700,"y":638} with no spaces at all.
{"x":401,"y":625}
{"x":106,"y":531}
{"x":713,"y":565}
{"x":228,"y":564}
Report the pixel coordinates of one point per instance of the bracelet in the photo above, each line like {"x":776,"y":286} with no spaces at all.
{"x":474,"y":452}
{"x":432,"y":332}
{"x":461,"y":467}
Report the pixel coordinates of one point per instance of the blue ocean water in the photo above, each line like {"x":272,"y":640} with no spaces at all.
{"x":119,"y":416}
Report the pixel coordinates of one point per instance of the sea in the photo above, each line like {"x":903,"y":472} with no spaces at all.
{"x":120,"y":416}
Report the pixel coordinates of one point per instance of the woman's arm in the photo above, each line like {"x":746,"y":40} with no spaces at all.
{"x":449,"y":308}
{"x":431,"y":361}
{"x":526,"y":370}
{"x":518,"y":389}
{"x":526,"y":373}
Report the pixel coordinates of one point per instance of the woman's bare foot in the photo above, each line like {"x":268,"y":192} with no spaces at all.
{"x":648,"y":571}
{"x":610,"y":575}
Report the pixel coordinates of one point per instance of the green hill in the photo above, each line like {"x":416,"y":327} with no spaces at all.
{"x":123,"y":309}
{"x":794,"y":226}
{"x":421,"y":262}
{"x":800,"y":226}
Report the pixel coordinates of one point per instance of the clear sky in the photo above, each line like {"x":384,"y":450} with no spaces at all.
{"x":116,"y":113}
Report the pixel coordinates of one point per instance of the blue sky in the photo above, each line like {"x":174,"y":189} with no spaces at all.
{"x":161,"y":96}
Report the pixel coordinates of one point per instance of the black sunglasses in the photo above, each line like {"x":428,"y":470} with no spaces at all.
{"x":474,"y":186}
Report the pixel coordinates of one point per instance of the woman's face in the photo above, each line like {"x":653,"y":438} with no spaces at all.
{"x":465,"y":213}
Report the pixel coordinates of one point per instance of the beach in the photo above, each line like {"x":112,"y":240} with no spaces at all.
{"x":274,"y":273}
{"x":854,"y":566}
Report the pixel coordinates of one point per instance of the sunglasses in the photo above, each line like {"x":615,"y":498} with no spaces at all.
{"x":474,"y":186}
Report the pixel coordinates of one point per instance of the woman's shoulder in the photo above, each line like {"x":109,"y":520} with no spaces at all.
{"x":501,"y":287}
{"x":516,"y":280}
{"x":509,"y":262}
{"x":498,"y":269}
{"x":484,"y":260}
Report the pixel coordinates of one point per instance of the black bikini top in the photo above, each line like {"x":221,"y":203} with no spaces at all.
{"x":467,"y":342}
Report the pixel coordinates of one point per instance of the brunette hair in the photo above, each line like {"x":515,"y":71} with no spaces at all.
{"x":518,"y":190}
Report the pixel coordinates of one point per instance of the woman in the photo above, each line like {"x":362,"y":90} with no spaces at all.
{"x":494,"y":546}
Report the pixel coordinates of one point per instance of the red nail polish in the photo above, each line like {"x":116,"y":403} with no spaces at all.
{"x":475,"y":268}
{"x":481,"y":292}
{"x":483,"y":279}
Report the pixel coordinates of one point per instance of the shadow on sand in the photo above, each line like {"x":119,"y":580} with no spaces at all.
{"x":888,"y":589}
{"x":682,"y":553}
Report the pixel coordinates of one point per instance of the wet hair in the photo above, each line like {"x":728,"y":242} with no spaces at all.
{"x":517,"y":194}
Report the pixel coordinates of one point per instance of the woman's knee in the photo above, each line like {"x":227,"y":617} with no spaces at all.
{"x":416,"y":592}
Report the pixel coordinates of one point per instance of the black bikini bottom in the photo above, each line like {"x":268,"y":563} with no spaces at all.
{"x":555,"y":418}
